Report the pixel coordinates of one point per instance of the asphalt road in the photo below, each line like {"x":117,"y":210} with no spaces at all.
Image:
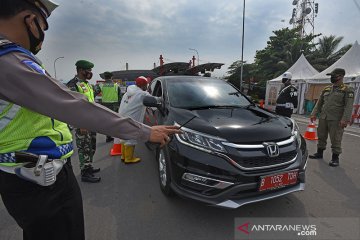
{"x":129,"y":205}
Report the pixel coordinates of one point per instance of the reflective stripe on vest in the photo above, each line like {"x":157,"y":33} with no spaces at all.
{"x":7,"y":113}
{"x":87,"y":90}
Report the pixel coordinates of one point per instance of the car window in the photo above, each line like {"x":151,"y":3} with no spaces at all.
{"x":157,"y":89}
{"x":193,"y":93}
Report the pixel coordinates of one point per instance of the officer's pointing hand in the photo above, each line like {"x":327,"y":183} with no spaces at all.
{"x":161,"y":134}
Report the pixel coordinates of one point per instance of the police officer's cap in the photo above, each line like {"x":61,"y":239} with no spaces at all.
{"x":287,"y":75}
{"x":84,"y":64}
{"x":107,"y":75}
{"x":337,"y":71}
{"x":45,"y":8}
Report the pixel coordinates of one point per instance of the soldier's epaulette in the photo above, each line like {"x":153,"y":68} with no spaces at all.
{"x":328,"y":88}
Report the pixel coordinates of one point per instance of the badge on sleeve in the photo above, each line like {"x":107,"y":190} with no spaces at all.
{"x":351,"y":95}
{"x":34,"y":66}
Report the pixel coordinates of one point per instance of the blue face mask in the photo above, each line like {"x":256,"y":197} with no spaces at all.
{"x":35,"y":43}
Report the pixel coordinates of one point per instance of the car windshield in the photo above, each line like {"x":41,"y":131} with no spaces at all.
{"x":205,"y":93}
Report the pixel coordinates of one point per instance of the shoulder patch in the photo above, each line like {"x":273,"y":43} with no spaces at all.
{"x":351,"y":95}
{"x":34,"y":66}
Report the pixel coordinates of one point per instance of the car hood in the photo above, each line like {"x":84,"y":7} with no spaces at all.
{"x":237,"y":125}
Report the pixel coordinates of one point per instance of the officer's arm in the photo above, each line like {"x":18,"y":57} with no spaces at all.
{"x":22,"y":85}
{"x":349,"y":101}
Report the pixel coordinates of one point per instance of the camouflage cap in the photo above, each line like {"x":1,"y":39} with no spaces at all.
{"x":84,"y":64}
{"x":337,"y":71}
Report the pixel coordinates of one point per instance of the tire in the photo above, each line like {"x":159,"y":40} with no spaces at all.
{"x":164,"y":172}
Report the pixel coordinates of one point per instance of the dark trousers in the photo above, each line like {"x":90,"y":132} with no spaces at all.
{"x":286,"y":112}
{"x":54,"y":212}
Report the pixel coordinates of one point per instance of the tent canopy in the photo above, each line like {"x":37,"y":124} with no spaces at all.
{"x":301,"y":70}
{"x":350,"y":61}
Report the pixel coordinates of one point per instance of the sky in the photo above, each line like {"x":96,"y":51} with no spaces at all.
{"x":111,"y":33}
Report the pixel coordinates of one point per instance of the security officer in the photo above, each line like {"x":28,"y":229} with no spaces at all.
{"x":85,"y":140}
{"x":37,"y":183}
{"x":288,"y":98}
{"x":334,"y":108}
{"x":111,"y":95}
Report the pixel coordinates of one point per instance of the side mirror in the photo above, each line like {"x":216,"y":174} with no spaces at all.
{"x":150,"y":101}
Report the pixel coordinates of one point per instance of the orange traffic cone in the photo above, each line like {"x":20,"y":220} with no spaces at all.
{"x":310,"y":133}
{"x":116,"y":149}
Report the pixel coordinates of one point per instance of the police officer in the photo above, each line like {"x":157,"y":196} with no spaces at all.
{"x":85,"y":140}
{"x":37,"y":183}
{"x":111,"y":95}
{"x":288,"y":98}
{"x":334,"y":108}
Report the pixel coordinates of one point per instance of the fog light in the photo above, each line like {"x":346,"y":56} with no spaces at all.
{"x":205,"y":181}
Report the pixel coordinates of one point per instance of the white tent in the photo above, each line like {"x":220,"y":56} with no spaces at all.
{"x":350,"y":61}
{"x":301,"y":70}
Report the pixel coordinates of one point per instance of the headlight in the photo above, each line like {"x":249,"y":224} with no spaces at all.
{"x":200,"y":141}
{"x":296,"y":132}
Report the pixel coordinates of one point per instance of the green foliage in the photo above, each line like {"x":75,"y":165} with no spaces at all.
{"x":283,"y":49}
{"x":326,"y":53}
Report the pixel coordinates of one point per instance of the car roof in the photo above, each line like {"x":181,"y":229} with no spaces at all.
{"x":185,"y":77}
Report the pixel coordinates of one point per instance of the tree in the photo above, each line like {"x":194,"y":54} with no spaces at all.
{"x":282,"y":51}
{"x":325,"y":53}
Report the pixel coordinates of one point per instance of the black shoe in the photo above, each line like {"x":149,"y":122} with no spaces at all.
{"x":109,"y":139}
{"x":94,"y":170}
{"x":334,"y":161}
{"x":87,"y":176}
{"x":316,"y":156}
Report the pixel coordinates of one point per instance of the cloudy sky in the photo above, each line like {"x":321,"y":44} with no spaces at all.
{"x":111,"y":33}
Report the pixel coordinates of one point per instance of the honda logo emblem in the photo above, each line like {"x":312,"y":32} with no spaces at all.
{"x":272,"y":149}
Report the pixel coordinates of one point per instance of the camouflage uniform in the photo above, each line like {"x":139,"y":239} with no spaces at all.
{"x":86,"y":142}
{"x":335,"y":104}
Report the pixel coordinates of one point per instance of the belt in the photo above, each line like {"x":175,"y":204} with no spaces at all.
{"x":285,"y":105}
{"x":35,"y":168}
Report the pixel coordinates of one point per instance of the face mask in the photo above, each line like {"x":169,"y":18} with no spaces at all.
{"x":88,"y":75}
{"x":35,"y":43}
{"x":333,"y":79}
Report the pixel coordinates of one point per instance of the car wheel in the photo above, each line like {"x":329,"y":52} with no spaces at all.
{"x":164,"y":173}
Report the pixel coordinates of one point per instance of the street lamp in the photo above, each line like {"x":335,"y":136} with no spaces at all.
{"x":192,"y":49}
{"x":242,"y":48}
{"x":54,"y":65}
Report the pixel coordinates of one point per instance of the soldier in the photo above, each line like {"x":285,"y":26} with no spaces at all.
{"x":111,"y":95}
{"x":288,"y":98}
{"x":85,"y":140}
{"x":37,"y":183}
{"x":334,"y":108}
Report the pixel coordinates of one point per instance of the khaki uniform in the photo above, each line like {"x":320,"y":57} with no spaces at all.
{"x":335,"y":104}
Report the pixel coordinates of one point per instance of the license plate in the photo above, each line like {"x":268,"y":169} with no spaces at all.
{"x":278,"y":180}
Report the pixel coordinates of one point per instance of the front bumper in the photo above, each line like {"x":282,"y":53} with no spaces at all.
{"x":229,"y":186}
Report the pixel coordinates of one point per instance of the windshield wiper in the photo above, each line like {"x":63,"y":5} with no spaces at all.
{"x":212,"y":106}
{"x":235,"y":93}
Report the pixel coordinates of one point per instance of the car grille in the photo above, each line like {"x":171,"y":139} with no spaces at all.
{"x":253,"y":163}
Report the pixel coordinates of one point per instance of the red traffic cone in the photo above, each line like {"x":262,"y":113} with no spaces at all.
{"x":116,"y":149}
{"x":310,"y":133}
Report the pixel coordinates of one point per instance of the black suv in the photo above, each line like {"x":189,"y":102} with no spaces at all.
{"x":232,"y":152}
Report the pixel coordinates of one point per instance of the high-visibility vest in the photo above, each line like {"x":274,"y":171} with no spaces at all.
{"x":24,"y":130}
{"x":86,"y":89}
{"x":110,"y":92}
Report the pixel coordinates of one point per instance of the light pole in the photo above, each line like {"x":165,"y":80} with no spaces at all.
{"x":242,"y":49}
{"x":197,"y":53}
{"x":54,"y":65}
